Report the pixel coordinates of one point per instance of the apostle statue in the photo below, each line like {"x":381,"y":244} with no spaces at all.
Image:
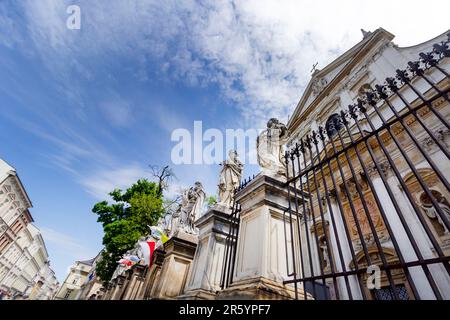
{"x":189,"y":210}
{"x":269,"y":145}
{"x":196,"y":196}
{"x":176,"y":221}
{"x":230,"y":177}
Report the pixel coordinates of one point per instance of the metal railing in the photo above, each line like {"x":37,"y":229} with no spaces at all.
{"x":356,"y":209}
{"x":367,"y":196}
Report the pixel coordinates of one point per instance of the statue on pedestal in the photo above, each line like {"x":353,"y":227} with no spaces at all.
{"x":189,"y":210}
{"x":230,"y":177}
{"x":269,"y":145}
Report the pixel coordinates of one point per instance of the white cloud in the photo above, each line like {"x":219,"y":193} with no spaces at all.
{"x":104,"y":180}
{"x":66,"y":243}
{"x":259,"y":52}
{"x":118,"y":112}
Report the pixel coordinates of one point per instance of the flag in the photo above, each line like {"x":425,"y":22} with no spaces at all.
{"x":159,"y":234}
{"x":126,"y":262}
{"x":133,"y":258}
{"x":148,"y":247}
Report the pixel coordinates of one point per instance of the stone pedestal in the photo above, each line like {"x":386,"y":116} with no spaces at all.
{"x":180,"y":250}
{"x":260,"y":266}
{"x":135,"y":283}
{"x":152,"y":275}
{"x":119,"y":285}
{"x":204,"y":278}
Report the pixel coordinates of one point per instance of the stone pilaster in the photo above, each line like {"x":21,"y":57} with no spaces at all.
{"x":205,"y":275}
{"x":180,"y":250}
{"x":260,"y":266}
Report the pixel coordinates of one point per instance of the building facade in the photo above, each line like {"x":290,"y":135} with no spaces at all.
{"x":356,"y":207}
{"x":72,"y":287}
{"x":92,"y":288}
{"x":368,"y":162}
{"x":23,"y":255}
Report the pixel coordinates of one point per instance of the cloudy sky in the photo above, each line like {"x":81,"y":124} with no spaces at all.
{"x":84,"y":111}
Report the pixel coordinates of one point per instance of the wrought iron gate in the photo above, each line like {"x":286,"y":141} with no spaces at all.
{"x":369,"y":207}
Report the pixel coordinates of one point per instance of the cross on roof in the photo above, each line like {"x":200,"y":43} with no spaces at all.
{"x":314,"y":67}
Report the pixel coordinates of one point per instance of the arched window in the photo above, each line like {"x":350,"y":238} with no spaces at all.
{"x":385,"y":291}
{"x":333,"y":125}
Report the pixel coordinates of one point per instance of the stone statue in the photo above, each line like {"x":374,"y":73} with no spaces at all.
{"x":269,"y":147}
{"x":230,"y":177}
{"x":189,"y":210}
{"x":431,"y":211}
{"x":164,"y":223}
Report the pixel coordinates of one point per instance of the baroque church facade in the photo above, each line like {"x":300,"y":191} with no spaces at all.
{"x":352,"y":201}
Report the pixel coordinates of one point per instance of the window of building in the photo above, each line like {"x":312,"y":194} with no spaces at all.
{"x":333,"y":124}
{"x":68,"y":293}
{"x":386,"y":293}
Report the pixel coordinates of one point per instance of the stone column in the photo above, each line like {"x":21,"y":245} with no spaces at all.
{"x":260,"y":266}
{"x":180,"y":250}
{"x":205,"y":275}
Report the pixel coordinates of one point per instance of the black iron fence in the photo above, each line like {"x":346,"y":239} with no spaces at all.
{"x":231,"y":245}
{"x":371,"y":192}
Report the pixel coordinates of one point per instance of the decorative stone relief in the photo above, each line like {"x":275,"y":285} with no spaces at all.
{"x":441,"y":134}
{"x":318,"y":85}
{"x":385,"y":168}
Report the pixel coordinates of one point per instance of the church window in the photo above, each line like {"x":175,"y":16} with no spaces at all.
{"x":333,"y":125}
{"x":386,"y":293}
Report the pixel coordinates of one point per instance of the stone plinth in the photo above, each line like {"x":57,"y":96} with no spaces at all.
{"x":152,"y":275}
{"x":204,"y":278}
{"x":119,"y":285}
{"x":180,"y":250}
{"x":260,"y":266}
{"x":135,"y":283}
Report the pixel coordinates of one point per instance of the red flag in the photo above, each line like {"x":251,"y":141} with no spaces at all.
{"x":151,"y":246}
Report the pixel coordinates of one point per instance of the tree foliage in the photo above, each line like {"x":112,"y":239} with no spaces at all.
{"x":211,"y":200}
{"x":126,"y":220}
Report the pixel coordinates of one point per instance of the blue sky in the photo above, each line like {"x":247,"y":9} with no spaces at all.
{"x":83,"y":111}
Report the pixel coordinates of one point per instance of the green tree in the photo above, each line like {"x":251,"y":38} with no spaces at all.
{"x":126,"y":220}
{"x":211,"y":200}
